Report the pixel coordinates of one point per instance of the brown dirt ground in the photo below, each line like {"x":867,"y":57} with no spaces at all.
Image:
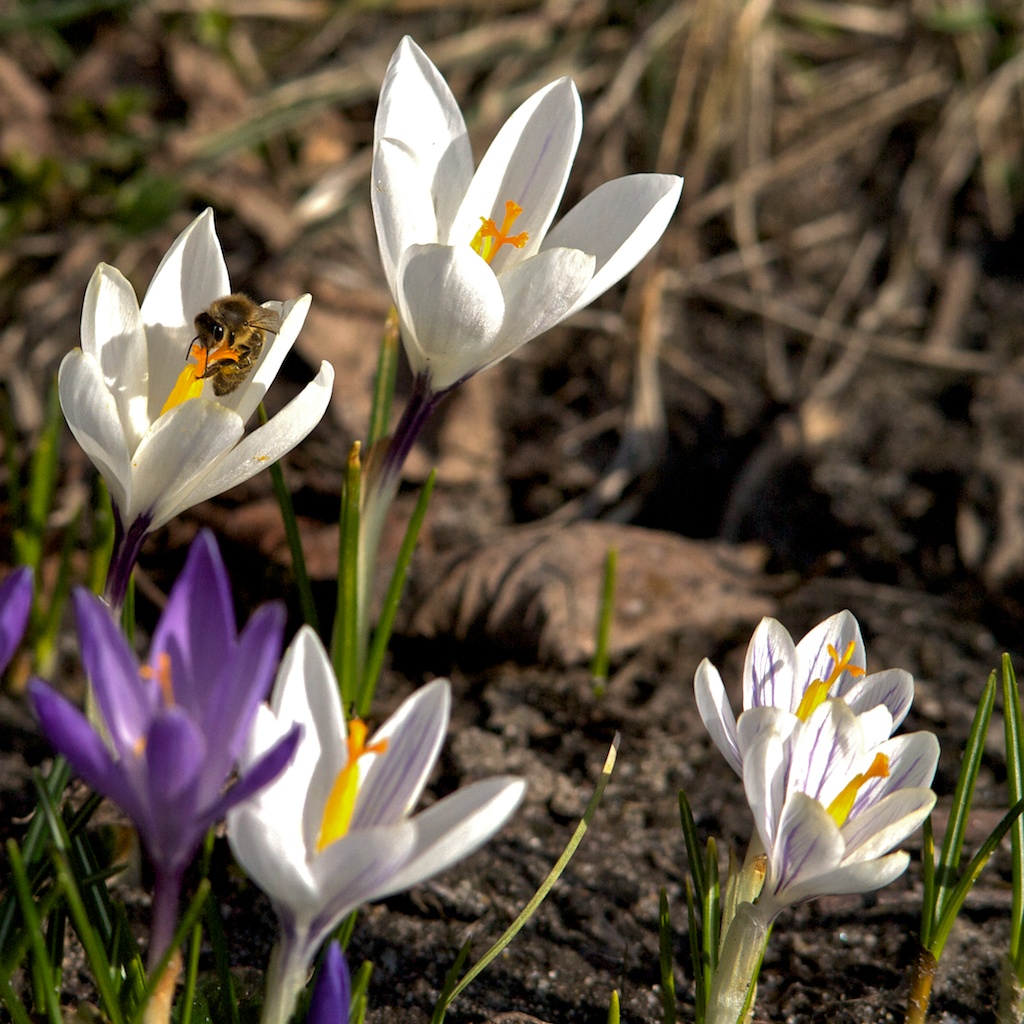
{"x":807,"y":400}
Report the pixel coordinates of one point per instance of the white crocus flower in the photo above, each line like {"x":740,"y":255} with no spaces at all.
{"x":831,"y":799}
{"x":473,"y":267}
{"x":334,"y":831}
{"x":159,"y":458}
{"x":788,"y":681}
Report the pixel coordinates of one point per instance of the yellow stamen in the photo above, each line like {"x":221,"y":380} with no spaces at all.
{"x":490,"y":238}
{"x":817,"y":691}
{"x":814,"y":696}
{"x":162,"y":674}
{"x":190,"y":380}
{"x":342,"y":801}
{"x":840,"y":808}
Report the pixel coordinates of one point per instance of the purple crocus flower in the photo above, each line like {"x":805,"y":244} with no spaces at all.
{"x":176,"y":724}
{"x":15,"y":604}
{"x":333,"y":993}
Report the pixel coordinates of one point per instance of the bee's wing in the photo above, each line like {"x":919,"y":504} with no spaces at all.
{"x":265,"y":319}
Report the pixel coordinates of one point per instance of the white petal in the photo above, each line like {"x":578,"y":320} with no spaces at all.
{"x":912,"y":762}
{"x":827,"y":751}
{"x":850,"y":878}
{"x":310,"y":695}
{"x":356,"y":869}
{"x":268,"y":846}
{"x":755,"y":721}
{"x":808,"y":844}
{"x":276,"y":347}
{"x":113,"y":334}
{"x":452,"y":309}
{"x":538,"y":293}
{"x":177,"y":451}
{"x":528,"y":163}
{"x":92,"y":415}
{"x":403,"y":208}
{"x":878,"y":829}
{"x":394,"y":780}
{"x":257,"y":450}
{"x":764,"y":781}
{"x":768,"y":670}
{"x":456,"y":826}
{"x":418,"y":109}
{"x":813,"y":658}
{"x":619,"y":222}
{"x":893,"y":687}
{"x":191,"y":275}
{"x":716,"y":714}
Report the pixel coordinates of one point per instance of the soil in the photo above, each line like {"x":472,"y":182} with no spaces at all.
{"x":807,"y":400}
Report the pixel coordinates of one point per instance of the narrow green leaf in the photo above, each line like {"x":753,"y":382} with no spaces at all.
{"x":599,"y":666}
{"x":345,"y":642}
{"x":614,"y":1010}
{"x":711,"y":913}
{"x":384,"y":382}
{"x":360,"y":987}
{"x":665,"y":960}
{"x":952,"y":845}
{"x":959,"y":892}
{"x":291,"y":530}
{"x":696,"y":958}
{"x":451,"y":979}
{"x":49,"y":995}
{"x":694,"y":854}
{"x":1013,"y":727}
{"x":386,"y":622}
{"x":928,"y":879}
{"x":548,"y":883}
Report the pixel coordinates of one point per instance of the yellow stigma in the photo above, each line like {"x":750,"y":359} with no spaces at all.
{"x":817,"y":691}
{"x":342,"y":801}
{"x":840,"y":808}
{"x":190,"y":380}
{"x":490,"y":238}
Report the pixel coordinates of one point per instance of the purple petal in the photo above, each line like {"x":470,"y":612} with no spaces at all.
{"x":15,"y":604}
{"x":197,"y":629}
{"x":175,"y":763}
{"x":241,"y":685}
{"x":333,"y":993}
{"x":71,"y":735}
{"x":261,"y":774}
{"x":126,"y":701}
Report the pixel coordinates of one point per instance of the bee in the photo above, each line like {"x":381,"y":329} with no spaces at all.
{"x":229,"y":339}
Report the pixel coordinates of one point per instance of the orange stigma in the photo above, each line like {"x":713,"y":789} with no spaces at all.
{"x":490,"y":238}
{"x":839,"y":809}
{"x":817,"y":691}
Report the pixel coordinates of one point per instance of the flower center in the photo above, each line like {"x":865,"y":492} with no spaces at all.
{"x":840,"y":808}
{"x":190,"y":381}
{"x":342,"y":801}
{"x":161,"y":672}
{"x":490,"y":238}
{"x":817,"y":692}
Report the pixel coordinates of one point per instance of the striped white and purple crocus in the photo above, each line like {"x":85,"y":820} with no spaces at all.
{"x":161,"y":447}
{"x":786,"y":681}
{"x":172,"y":727}
{"x":336,"y":829}
{"x":831,"y":798}
{"x":15,"y":605}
